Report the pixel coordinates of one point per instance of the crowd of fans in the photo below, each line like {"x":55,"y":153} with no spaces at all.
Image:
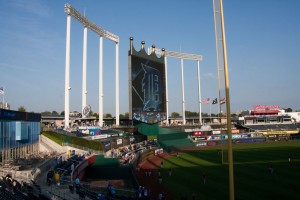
{"x":11,"y":189}
{"x":60,"y":173}
{"x":126,"y":154}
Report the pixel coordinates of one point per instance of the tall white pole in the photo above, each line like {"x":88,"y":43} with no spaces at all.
{"x":199,"y":92}
{"x":67,"y":73}
{"x":117,"y":84}
{"x":101,"y":81}
{"x":167,"y":92}
{"x":3,"y":100}
{"x":84,"y":92}
{"x":217,"y":53}
{"x":182,"y":88}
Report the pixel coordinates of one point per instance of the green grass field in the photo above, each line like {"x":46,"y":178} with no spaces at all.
{"x":252,"y":179}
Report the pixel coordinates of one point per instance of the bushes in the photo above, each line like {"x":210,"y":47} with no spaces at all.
{"x":62,"y":138}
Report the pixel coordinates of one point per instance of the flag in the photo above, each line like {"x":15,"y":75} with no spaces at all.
{"x":1,"y":90}
{"x":215,"y":101}
{"x":223,"y":100}
{"x":205,"y":101}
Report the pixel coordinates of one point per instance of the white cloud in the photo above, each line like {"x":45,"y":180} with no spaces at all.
{"x":209,"y":76}
{"x":11,"y":67}
{"x":34,"y":7}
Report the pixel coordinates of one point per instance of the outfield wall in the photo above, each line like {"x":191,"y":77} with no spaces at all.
{"x":80,"y":169}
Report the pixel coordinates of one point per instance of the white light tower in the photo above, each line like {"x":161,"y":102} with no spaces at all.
{"x":67,"y":72}
{"x":84,"y":92}
{"x":181,"y":56}
{"x":71,"y":12}
{"x":101,"y":81}
{"x":182,"y":92}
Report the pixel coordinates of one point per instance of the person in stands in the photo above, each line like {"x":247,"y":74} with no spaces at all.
{"x":170,"y":172}
{"x":204,"y":177}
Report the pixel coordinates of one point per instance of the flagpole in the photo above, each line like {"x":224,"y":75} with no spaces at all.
{"x":210,"y":111}
{"x":3,"y":92}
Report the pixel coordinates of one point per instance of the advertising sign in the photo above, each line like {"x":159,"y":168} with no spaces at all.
{"x":197,"y":133}
{"x":216,"y":132}
{"x":119,"y":141}
{"x":235,"y":131}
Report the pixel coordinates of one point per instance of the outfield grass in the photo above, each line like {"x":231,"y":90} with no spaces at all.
{"x":251,"y":176}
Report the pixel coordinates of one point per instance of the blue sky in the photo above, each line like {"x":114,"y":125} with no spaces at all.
{"x":263,"y":48}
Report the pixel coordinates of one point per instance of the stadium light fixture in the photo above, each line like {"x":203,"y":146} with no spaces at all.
{"x":179,"y":55}
{"x":89,"y":24}
{"x":72,"y":12}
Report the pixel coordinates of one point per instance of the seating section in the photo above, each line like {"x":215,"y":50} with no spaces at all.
{"x":274,"y":127}
{"x":11,"y":189}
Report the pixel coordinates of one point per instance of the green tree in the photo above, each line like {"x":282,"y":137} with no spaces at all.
{"x":204,"y":115}
{"x":175,"y":114}
{"x":288,"y":110}
{"x":222,"y":114}
{"x":54,"y":112}
{"x":95,"y":115}
{"x":234,"y":115}
{"x":22,"y":109}
{"x":108,"y":115}
{"x":62,"y":113}
{"x":46,"y":112}
{"x":191,"y":114}
{"x":127,"y":114}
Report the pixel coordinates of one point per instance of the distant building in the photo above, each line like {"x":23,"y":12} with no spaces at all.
{"x":5,"y":106}
{"x":294,"y":115}
{"x":268,"y":114}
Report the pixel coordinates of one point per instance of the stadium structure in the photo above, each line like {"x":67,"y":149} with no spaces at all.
{"x":82,"y":160}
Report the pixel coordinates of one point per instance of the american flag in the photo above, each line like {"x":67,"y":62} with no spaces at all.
{"x":205,"y":101}
{"x":1,"y":90}
{"x":223,"y":100}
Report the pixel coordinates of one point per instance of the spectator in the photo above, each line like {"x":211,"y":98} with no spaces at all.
{"x":160,"y":196}
{"x":271,"y":169}
{"x":101,"y":197}
{"x":160,"y":179}
{"x":170,"y":172}
{"x":77,"y":181}
{"x":139,"y":192}
{"x":72,"y":167}
{"x":57,"y":177}
{"x":50,"y":175}
{"x":204,"y":177}
{"x":145,"y":193}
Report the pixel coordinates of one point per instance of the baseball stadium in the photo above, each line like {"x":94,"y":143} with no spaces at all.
{"x":148,"y":155}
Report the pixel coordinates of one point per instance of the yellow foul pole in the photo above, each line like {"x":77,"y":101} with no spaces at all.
{"x":230,"y":156}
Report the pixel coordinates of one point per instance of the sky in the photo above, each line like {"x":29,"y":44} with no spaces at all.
{"x":262,"y":37}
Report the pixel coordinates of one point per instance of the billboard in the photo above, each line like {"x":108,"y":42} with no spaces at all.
{"x":147,"y":87}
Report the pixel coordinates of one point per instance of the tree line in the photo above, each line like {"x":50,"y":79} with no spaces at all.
{"x":126,"y":114}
